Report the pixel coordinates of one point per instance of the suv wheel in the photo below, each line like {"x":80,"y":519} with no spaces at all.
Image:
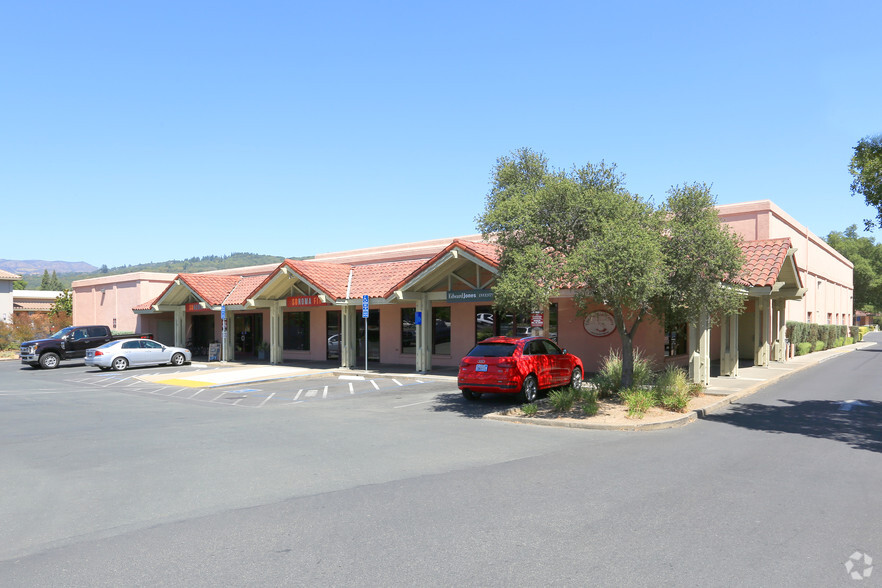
{"x":49,"y":360}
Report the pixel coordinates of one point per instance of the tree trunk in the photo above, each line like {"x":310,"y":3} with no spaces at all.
{"x":627,"y":360}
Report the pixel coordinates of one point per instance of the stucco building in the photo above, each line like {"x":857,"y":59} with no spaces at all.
{"x":427,"y":304}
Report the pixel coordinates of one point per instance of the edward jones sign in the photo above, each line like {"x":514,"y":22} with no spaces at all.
{"x":469,"y":295}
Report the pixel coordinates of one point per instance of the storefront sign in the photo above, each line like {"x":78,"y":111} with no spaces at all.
{"x":470,"y":296}
{"x":303,"y":301}
{"x":537,"y":319}
{"x":599,"y":323}
{"x":193,"y":307}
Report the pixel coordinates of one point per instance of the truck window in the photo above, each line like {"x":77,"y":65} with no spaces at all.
{"x":97,"y":332}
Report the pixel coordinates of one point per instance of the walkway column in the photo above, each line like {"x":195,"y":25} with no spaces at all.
{"x":699,"y":350}
{"x":780,"y":333}
{"x":231,"y":336}
{"x":729,"y":346}
{"x":424,"y":335}
{"x":180,"y":327}
{"x":348,"y":337}
{"x":276,"y":332}
{"x":761,"y":332}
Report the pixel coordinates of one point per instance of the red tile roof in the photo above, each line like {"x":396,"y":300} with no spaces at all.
{"x":763,"y":260}
{"x":213,"y":289}
{"x":5,"y":275}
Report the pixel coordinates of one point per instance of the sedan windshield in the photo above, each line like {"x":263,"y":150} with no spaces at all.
{"x":493,"y":350}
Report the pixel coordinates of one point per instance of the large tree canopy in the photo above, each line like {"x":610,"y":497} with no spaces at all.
{"x":866,"y":255}
{"x":582,"y":229}
{"x":866,"y":169}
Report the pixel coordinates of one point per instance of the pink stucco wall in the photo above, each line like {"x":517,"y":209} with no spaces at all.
{"x":101,"y":300}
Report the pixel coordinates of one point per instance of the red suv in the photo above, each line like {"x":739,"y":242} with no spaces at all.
{"x":506,"y":365}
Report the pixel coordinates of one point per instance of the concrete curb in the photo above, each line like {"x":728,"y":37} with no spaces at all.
{"x":679,"y":420}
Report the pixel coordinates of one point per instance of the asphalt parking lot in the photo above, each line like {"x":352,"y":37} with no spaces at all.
{"x":193,"y":384}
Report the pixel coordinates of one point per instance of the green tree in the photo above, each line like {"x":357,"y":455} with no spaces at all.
{"x":866,"y":255}
{"x":582,"y":229}
{"x":20,"y":285}
{"x":866,"y":169}
{"x":63,"y":304}
{"x":46,"y":281}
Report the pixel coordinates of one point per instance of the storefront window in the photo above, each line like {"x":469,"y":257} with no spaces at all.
{"x":295,"y":329}
{"x":485,"y":323}
{"x":675,"y":339}
{"x":441,"y":330}
{"x":408,"y":331}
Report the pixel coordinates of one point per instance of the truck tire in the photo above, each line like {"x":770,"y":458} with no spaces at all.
{"x":49,"y":360}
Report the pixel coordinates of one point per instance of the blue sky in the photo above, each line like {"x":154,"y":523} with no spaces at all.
{"x":143,"y":131}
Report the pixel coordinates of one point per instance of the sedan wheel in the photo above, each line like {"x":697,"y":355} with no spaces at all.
{"x":576,"y":379}
{"x":120,"y":363}
{"x":177,"y":359}
{"x":529,"y":390}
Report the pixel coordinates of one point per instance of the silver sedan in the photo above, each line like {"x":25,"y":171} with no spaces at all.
{"x":120,"y":354}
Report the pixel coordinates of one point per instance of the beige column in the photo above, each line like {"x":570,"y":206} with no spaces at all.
{"x":424,"y":335}
{"x":231,"y":336}
{"x":761,"y":332}
{"x":276,"y":332}
{"x":180,"y":327}
{"x":348,"y":337}
{"x":699,"y":350}
{"x":729,"y":346}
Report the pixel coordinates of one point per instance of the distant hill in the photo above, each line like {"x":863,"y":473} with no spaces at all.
{"x":36,"y":266}
{"x":173,"y":266}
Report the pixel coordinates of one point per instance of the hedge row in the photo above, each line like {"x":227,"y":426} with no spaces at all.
{"x":810,"y":337}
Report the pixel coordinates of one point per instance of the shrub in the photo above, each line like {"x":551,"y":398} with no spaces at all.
{"x":638,"y":401}
{"x":673,"y":389}
{"x":804,"y":348}
{"x":609,"y":379}
{"x":819,"y":346}
{"x":839,"y":342}
{"x":529,"y":409}
{"x":849,"y":341}
{"x":590,"y":408}
{"x":562,"y":400}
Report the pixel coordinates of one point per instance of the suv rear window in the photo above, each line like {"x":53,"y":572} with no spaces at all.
{"x":492,"y":350}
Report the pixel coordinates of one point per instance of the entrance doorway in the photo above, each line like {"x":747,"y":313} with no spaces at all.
{"x":201,"y":334}
{"x":248,"y":329}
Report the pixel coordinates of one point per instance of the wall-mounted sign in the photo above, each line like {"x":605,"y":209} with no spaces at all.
{"x":599,"y":323}
{"x":193,"y":307}
{"x":469,"y":295}
{"x":295,"y":301}
{"x":537,"y":319}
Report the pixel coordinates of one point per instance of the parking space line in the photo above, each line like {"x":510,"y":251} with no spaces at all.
{"x":374,"y":382}
{"x":267,"y":399}
{"x":218,"y":397}
{"x":325,"y":393}
{"x":414,"y":404}
{"x":195,"y":394}
{"x":351,"y":388}
{"x":397,"y":382}
{"x":296,"y":396}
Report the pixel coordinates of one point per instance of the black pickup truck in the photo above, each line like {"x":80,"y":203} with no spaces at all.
{"x":69,"y":343}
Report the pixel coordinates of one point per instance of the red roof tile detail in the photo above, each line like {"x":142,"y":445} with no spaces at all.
{"x":375,"y":280}
{"x":763,"y":261}
{"x":212,"y":289}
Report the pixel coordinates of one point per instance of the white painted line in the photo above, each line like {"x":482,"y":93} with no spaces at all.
{"x":238,"y":401}
{"x":374,"y":382}
{"x":195,"y":394}
{"x":414,"y":404}
{"x":267,"y":399}
{"x":351,"y":389}
{"x":296,"y":396}
{"x":397,"y":382}
{"x":218,"y":396}
{"x":752,"y":379}
{"x":352,"y":377}
{"x":325,"y":393}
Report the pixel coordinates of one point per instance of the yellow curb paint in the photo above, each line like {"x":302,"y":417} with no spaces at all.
{"x":186,"y":383}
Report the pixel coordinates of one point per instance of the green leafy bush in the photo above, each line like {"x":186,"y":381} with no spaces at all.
{"x":562,"y":400}
{"x":820,"y":346}
{"x":804,"y":348}
{"x":529,"y":409}
{"x":849,"y":341}
{"x":673,"y":389}
{"x":638,"y":401}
